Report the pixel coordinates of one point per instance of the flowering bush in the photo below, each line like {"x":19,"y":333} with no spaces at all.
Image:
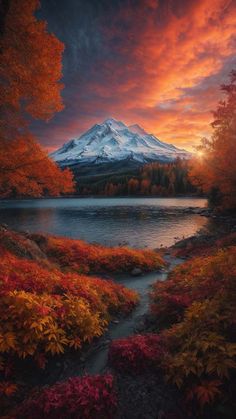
{"x":88,"y":397}
{"x":136,"y":353}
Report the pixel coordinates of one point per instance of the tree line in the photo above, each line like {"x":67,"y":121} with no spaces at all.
{"x":155,"y":179}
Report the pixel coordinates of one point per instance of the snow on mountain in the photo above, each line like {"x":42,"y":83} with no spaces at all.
{"x":137,"y":129}
{"x":114,"y":141}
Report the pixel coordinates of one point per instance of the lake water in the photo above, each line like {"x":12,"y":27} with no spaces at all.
{"x":137,"y":222}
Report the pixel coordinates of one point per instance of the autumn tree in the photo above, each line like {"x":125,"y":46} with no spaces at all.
{"x":144,"y":187}
{"x":154,"y":190}
{"x":214,"y":169}
{"x":26,"y":170}
{"x":133,"y":185}
{"x":30,"y":73}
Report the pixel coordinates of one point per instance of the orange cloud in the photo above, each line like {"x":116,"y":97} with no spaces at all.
{"x":162,"y":60}
{"x":164,"y":63}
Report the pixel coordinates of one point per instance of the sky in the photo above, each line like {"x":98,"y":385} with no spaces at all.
{"x":157,"y":63}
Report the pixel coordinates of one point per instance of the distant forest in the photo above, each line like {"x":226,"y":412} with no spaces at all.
{"x":152,"y":179}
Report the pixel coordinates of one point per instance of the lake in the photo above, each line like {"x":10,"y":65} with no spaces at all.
{"x":136,"y":222}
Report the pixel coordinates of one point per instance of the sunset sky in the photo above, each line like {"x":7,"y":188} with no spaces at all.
{"x":158,"y":63}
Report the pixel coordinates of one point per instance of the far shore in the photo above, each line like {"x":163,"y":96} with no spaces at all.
{"x":102,"y":197}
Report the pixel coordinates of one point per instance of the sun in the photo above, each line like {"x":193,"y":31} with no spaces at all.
{"x":200,"y":154}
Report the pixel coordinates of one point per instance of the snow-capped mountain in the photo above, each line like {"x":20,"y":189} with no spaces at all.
{"x":113,"y":141}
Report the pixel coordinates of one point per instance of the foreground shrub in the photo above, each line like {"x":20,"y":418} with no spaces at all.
{"x":201,"y":358}
{"x":18,"y":274}
{"x":83,"y":257}
{"x":44,"y":311}
{"x":194,"y":280}
{"x":89,"y":397}
{"x":137,"y":353}
{"x":196,"y":347}
{"x":200,"y":344}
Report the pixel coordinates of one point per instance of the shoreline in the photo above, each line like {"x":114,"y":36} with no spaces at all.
{"x":100,"y":197}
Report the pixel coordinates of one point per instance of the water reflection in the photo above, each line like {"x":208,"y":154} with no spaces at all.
{"x":138,"y":222}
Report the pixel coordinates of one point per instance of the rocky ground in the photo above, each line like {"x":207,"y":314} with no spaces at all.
{"x":146,"y":397}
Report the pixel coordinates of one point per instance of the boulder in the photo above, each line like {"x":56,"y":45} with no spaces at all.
{"x":136,"y":272}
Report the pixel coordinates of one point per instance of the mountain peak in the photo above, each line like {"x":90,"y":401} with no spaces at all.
{"x":114,"y":123}
{"x":113,"y":141}
{"x":110,"y":121}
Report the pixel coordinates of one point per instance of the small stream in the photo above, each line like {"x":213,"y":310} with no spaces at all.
{"x":95,"y":362}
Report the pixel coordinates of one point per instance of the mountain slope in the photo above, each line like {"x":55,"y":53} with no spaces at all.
{"x":113,"y":141}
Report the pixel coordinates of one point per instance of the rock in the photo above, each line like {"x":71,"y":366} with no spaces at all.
{"x":21,"y":245}
{"x":136,"y":272}
{"x":3,"y":227}
{"x":107,"y":342}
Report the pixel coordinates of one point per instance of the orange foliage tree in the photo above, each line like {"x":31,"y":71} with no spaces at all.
{"x":29,"y":88}
{"x":26,"y":170}
{"x":214,"y":170}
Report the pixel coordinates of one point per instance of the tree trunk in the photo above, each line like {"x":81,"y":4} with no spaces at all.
{"x":4,"y":7}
